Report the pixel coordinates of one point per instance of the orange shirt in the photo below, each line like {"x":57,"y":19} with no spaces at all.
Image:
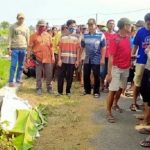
{"x":41,"y":45}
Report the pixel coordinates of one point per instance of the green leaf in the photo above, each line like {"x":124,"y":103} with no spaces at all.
{"x":26,"y":128}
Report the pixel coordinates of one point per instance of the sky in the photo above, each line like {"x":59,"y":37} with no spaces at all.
{"x":57,"y":12}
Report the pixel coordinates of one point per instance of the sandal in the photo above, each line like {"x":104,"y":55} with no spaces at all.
{"x":110,"y":119}
{"x":144,"y":131}
{"x":140,"y":117}
{"x":134,"y":107}
{"x":128,"y":94}
{"x":117,"y":108}
{"x":141,"y":126}
{"x":145,"y":143}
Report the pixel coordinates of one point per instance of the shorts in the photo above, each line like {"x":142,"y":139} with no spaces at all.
{"x":139,"y":70}
{"x":119,"y":78}
{"x":145,"y":87}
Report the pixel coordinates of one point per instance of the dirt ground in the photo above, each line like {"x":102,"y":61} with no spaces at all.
{"x":70,"y":125}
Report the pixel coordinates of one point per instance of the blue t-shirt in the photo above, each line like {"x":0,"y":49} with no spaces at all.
{"x":142,"y":40}
{"x":93,"y":44}
{"x":131,"y":42}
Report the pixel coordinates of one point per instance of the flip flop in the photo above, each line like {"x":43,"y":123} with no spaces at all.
{"x":144,"y":131}
{"x":140,"y":117}
{"x":145,"y":143}
{"x":141,"y":126}
{"x":111,"y":119}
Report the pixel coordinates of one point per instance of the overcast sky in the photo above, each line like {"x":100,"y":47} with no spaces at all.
{"x":56,"y":12}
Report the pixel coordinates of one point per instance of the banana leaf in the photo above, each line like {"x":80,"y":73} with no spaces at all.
{"x":25,"y":129}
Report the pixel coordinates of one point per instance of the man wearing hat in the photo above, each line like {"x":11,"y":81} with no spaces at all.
{"x":94,"y":44}
{"x":41,"y":46}
{"x":18,"y":42}
{"x":118,"y":66}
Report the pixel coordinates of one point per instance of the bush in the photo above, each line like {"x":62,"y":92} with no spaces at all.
{"x":4,"y":71}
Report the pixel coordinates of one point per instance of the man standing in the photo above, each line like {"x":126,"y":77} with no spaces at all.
{"x":118,"y":65}
{"x":41,"y":45}
{"x":94,"y":43}
{"x":141,"y":42}
{"x":110,"y":35}
{"x":18,"y":42}
{"x":68,"y":57}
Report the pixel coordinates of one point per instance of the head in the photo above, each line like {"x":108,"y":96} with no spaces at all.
{"x":92,"y":25}
{"x":133,"y":30}
{"x":110,"y":24}
{"x":139,"y":24}
{"x":54,"y":31}
{"x":41,"y":26}
{"x":64,"y":28}
{"x":124,"y":24}
{"x":84,"y":29}
{"x":49,"y":30}
{"x":20,"y":18}
{"x":147,"y":21}
{"x":71,"y":25}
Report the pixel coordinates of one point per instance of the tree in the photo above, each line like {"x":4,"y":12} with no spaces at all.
{"x":4,"y":25}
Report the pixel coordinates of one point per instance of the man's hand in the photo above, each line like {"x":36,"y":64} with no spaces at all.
{"x":53,"y":59}
{"x":9,"y":51}
{"x":102,"y":62}
{"x":76,"y":64}
{"x":108,"y":78}
{"x":60,"y":63}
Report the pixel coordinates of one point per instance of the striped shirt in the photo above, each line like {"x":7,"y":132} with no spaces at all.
{"x":93,"y":44}
{"x":69,"y":46}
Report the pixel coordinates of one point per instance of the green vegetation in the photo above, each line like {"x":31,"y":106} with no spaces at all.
{"x":3,"y":48}
{"x":4,"y":71}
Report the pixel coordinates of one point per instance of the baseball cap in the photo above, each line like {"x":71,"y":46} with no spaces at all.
{"x":41,"y":23}
{"x":123,"y":21}
{"x":91,"y":21}
{"x":20,"y":15}
{"x":139,"y":23}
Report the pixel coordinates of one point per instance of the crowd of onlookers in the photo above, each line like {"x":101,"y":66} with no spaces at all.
{"x":105,"y":60}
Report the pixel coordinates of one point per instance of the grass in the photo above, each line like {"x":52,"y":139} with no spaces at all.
{"x":4,"y":71}
{"x":70,"y":125}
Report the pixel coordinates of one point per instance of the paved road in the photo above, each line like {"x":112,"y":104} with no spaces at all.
{"x":120,"y":135}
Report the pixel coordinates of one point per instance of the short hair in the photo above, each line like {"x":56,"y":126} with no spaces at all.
{"x":110,"y":20}
{"x":122,"y":22}
{"x":63,"y":27}
{"x":69,"y":22}
{"x":53,"y":28}
{"x":147,"y":17}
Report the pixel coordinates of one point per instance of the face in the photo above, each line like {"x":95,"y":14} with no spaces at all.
{"x":41,"y":28}
{"x":92,"y":27}
{"x":147,"y":23}
{"x":55,"y":31}
{"x":20,"y":20}
{"x":128,"y":28}
{"x":72,"y":28}
{"x":111,"y":25}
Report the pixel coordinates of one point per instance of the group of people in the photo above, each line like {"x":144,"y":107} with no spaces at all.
{"x":107,"y":60}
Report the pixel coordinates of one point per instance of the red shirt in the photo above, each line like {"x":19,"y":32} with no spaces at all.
{"x":121,"y":51}
{"x":109,"y":40}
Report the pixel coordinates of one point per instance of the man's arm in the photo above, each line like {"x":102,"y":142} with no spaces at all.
{"x":103,"y":52}
{"x":59,"y":55}
{"x":134,"y":50}
{"x":10,"y":39}
{"x":110,"y":62}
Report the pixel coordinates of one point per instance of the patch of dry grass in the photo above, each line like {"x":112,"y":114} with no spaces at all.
{"x":70,"y":126}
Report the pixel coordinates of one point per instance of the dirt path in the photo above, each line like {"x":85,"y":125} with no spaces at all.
{"x":79,"y":122}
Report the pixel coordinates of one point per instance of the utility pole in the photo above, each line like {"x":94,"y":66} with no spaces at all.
{"x":96,"y":18}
